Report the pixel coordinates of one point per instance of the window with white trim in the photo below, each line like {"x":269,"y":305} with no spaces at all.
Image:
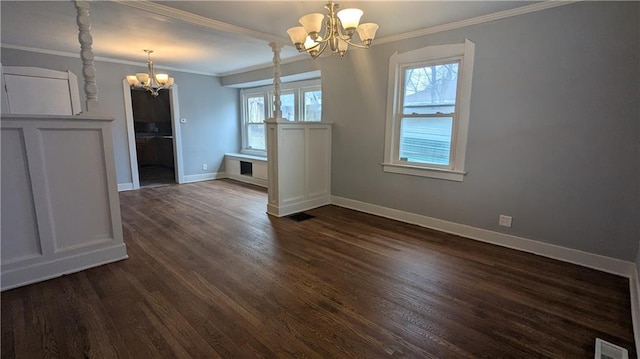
{"x":301,"y":101}
{"x":428,"y":111}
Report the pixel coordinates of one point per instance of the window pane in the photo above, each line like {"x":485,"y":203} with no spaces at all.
{"x":313,"y":105}
{"x":256,"y":137}
{"x":255,"y":109}
{"x":288,"y":106}
{"x":426,"y":140}
{"x":430,"y":89}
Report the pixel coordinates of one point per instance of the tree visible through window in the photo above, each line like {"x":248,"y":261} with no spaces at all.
{"x":428,"y":110}
{"x":312,"y":105}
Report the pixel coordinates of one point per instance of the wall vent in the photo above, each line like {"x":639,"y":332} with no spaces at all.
{"x":606,"y":350}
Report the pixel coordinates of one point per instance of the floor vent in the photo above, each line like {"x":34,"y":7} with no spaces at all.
{"x":299,"y":217}
{"x":606,"y":350}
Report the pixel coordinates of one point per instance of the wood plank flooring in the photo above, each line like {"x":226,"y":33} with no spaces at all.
{"x":210,"y":275}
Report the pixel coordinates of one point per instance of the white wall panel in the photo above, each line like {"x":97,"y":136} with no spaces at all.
{"x":292,"y":164}
{"x":299,"y":167}
{"x":78,"y":220}
{"x":319,"y":175}
{"x":60,"y":205}
{"x":20,"y":237}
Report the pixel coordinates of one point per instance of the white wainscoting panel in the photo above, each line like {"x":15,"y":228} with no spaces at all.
{"x":18,"y":209}
{"x":61,"y":211}
{"x":291,"y":165}
{"x":299,"y":166}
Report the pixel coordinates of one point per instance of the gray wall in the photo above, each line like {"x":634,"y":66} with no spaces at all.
{"x":211,"y":110}
{"x":554,"y":136}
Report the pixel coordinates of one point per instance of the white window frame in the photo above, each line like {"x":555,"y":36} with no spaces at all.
{"x":298,"y":88}
{"x":301,"y":96}
{"x":245,"y":124}
{"x":428,"y":55}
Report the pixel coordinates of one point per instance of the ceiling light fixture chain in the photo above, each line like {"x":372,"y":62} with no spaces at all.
{"x":150,"y":81}
{"x":339,"y":28}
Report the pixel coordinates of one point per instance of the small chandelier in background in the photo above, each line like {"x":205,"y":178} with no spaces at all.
{"x":150,"y":80}
{"x":338,"y":33}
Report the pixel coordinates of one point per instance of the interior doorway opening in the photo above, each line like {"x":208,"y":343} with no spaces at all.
{"x":154,"y":136}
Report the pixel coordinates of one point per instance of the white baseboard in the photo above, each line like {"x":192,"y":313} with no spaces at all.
{"x":125,"y":187}
{"x":585,"y":259}
{"x":281,"y":211}
{"x":204,"y":177}
{"x":65,"y":265}
{"x":252,"y":180}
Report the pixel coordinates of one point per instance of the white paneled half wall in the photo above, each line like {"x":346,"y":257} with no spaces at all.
{"x":60,"y":206}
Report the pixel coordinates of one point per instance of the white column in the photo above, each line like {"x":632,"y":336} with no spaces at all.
{"x":298,"y":158}
{"x":277,"y":104}
{"x":86,"y":54}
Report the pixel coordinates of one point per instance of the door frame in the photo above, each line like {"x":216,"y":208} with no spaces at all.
{"x":131,"y":135}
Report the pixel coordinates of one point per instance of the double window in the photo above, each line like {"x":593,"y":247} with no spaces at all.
{"x":428,"y":111}
{"x":301,"y":101}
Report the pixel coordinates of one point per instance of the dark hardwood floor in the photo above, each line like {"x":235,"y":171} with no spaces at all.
{"x":211,"y":275}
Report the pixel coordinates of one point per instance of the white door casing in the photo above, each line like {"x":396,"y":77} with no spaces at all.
{"x":131,"y":135}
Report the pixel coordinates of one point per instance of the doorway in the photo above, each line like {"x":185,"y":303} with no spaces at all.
{"x":154,"y":137}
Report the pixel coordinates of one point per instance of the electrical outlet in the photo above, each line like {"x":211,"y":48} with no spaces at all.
{"x":504,"y":220}
{"x":204,"y":166}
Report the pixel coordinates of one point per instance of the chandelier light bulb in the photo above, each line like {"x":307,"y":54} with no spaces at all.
{"x":298,"y":36}
{"x":143,"y":77}
{"x":309,"y":43}
{"x":312,"y":23}
{"x":132,"y":80}
{"x":350,"y":18}
{"x":367,"y":32}
{"x":162,"y":78}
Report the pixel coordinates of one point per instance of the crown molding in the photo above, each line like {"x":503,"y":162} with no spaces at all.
{"x":268,"y":65}
{"x":476,"y":20}
{"x":198,"y":20}
{"x":103,"y":59}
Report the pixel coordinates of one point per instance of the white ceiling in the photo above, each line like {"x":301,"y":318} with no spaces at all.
{"x":209,"y":37}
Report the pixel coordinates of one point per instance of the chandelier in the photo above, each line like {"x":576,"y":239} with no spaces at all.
{"x":339,"y":28}
{"x":150,"y":80}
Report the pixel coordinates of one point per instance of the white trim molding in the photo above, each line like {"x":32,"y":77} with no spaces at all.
{"x":204,"y":177}
{"x":544,"y":5}
{"x":109,"y":59}
{"x":585,"y":259}
{"x":605,"y":264}
{"x":399,"y":63}
{"x":40,"y":271}
{"x":125,"y":187}
{"x":198,"y":20}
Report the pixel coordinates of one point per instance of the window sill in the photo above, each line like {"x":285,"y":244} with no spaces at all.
{"x":424,"y":172}
{"x":251,"y":152}
{"x":246,"y":156}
